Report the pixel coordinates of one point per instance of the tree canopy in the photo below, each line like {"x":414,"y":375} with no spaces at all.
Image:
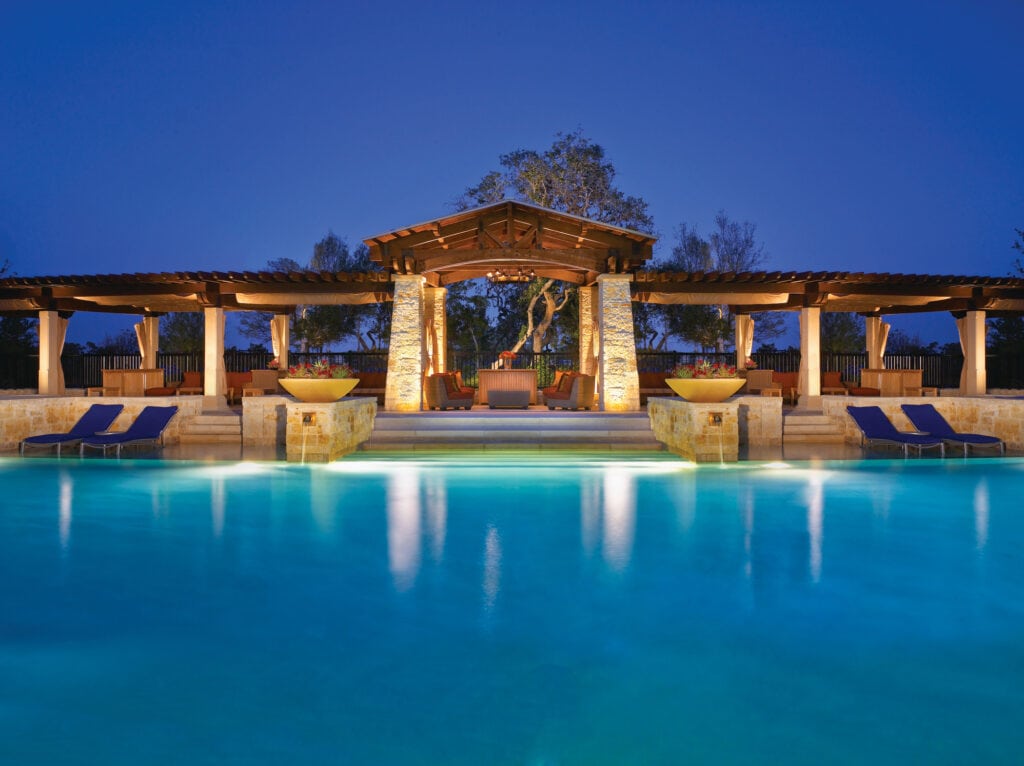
{"x":572,"y":176}
{"x":731,"y":246}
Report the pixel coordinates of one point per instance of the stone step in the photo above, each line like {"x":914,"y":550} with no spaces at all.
{"x":825,"y":438}
{"x":512,"y":429}
{"x":809,"y":428}
{"x":207,"y":438}
{"x":212,"y":428}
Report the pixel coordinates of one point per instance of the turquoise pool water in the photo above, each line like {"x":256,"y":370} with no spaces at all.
{"x":513,"y":612}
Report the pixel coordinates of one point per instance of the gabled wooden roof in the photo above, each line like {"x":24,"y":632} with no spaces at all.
{"x":510,"y":235}
{"x":190,"y":291}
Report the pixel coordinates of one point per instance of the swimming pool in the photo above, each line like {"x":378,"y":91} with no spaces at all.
{"x":521,"y":611}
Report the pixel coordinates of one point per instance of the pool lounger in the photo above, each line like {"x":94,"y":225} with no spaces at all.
{"x":95,"y":419}
{"x":147,"y":428}
{"x":875,"y":427}
{"x":928,"y":419}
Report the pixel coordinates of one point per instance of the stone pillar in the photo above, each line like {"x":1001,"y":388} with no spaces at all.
{"x":617,"y":374}
{"x":973,"y":378}
{"x":435,"y":330}
{"x":214,"y":378}
{"x":404,"y":391}
{"x":279,"y":338}
{"x":588,"y":328}
{"x":876,"y":335}
{"x":147,"y":332}
{"x":52,"y":328}
{"x":810,"y":356}
{"x":744,"y":339}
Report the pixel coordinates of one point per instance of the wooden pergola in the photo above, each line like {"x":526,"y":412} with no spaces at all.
{"x":509,"y":241}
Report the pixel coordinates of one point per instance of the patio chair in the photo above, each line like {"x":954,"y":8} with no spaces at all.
{"x":443,"y":391}
{"x":147,"y":428}
{"x":876,"y":427}
{"x":928,"y":419}
{"x":578,"y":396}
{"x":95,"y":419}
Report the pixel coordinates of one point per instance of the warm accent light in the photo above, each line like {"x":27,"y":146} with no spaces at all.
{"x":503,"y":275}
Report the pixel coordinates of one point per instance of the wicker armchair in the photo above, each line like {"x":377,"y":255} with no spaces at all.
{"x":443,"y":391}
{"x":578,"y":396}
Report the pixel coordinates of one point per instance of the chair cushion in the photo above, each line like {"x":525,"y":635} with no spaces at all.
{"x":192,"y":379}
{"x":831,"y":379}
{"x":160,"y":391}
{"x":565,"y":382}
{"x":450,"y":384}
{"x":865,"y":391}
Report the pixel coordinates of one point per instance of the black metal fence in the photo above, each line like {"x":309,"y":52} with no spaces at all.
{"x":80,"y":371}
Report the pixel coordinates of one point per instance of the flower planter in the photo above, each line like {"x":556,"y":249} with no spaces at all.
{"x":318,"y":389}
{"x":705,"y":389}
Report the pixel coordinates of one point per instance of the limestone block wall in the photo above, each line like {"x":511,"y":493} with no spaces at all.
{"x":686,"y":428}
{"x":22,"y":416}
{"x":264,"y":420}
{"x":320,"y":433}
{"x":760,"y":420}
{"x":1003,"y":418}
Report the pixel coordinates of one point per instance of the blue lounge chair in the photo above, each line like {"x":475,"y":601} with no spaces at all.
{"x":147,"y":428}
{"x":95,"y":419}
{"x":928,"y":419}
{"x":876,"y":427}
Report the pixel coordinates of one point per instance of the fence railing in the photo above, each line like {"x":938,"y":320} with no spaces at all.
{"x":80,"y":371}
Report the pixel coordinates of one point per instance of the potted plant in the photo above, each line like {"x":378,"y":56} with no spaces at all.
{"x":505,"y":359}
{"x":704,"y":381}
{"x":319,"y":382}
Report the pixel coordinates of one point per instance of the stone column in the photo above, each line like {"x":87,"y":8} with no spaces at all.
{"x":973,"y":378}
{"x":404,"y":391}
{"x":147,"y":332}
{"x":810,"y":356}
{"x":52,"y":328}
{"x":876,"y":335}
{"x":279,"y":339}
{"x":617,"y":374}
{"x":744,"y":339}
{"x":435,"y":335}
{"x":588,"y":327}
{"x":214,"y":378}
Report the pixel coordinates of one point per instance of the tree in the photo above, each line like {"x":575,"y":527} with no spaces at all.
{"x":1008,"y":332}
{"x":572,"y":176}
{"x":182,"y":332}
{"x":316,"y":328}
{"x":16,"y":333}
{"x":731,"y":247}
{"x":841,"y":333}
{"x":125,"y":342}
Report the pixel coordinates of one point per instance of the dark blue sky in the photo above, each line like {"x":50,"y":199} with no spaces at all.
{"x":868,"y":136}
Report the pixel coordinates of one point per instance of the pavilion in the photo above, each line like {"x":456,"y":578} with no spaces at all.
{"x":512,"y":240}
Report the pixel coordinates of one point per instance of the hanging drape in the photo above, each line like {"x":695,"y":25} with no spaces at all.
{"x":961,"y":330}
{"x":877,"y":335}
{"x":62,"y":331}
{"x":744,"y":339}
{"x":279,"y":339}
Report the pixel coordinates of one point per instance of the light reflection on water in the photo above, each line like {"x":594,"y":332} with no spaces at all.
{"x":601,"y":612}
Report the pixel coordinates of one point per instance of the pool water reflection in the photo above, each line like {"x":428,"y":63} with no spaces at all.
{"x":511,"y":611}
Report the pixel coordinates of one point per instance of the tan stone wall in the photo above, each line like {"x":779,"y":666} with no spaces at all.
{"x":264,"y":420}
{"x":760,"y":420}
{"x":686,"y":429}
{"x":405,"y":353}
{"x":1003,"y":418}
{"x":27,"y":416}
{"x":618,"y":381}
{"x":337,"y":428}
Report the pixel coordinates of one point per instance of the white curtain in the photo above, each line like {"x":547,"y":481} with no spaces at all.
{"x":877,"y":335}
{"x":148,"y":335}
{"x":62,"y":332}
{"x":279,"y":338}
{"x":744,"y":339}
{"x":961,"y":329}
